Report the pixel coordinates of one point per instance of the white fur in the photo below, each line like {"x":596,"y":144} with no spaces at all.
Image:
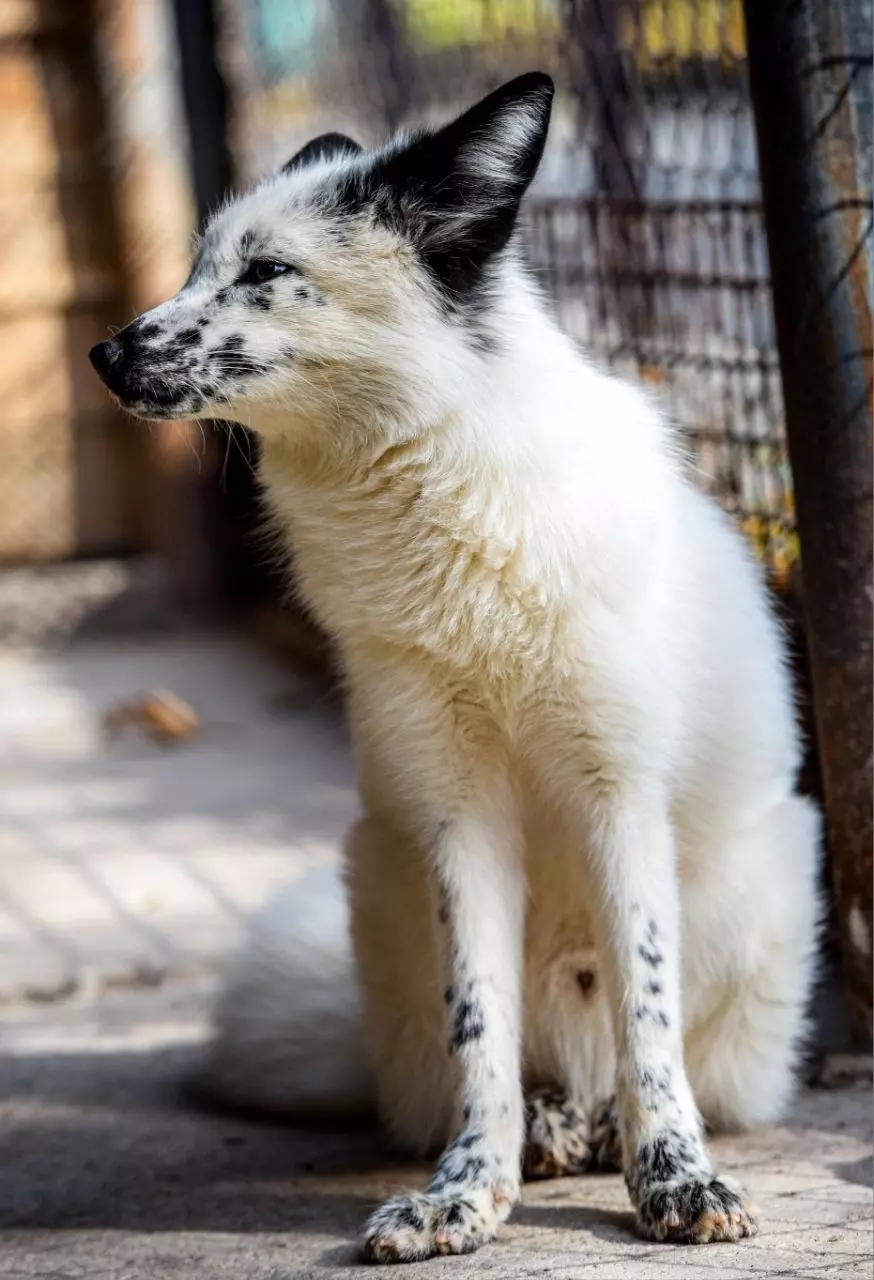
{"x":570,"y":707}
{"x":555,"y":500}
{"x":309,"y":1049}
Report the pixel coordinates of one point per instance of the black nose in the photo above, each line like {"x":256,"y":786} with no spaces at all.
{"x":106,"y":356}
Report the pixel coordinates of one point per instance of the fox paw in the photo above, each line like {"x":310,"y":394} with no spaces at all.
{"x":410,"y":1228}
{"x":556,"y":1139}
{"x":697,"y":1211}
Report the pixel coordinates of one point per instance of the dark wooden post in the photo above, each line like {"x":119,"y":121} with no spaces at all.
{"x":811,"y":75}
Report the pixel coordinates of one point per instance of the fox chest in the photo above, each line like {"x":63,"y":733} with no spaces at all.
{"x":456,"y":588}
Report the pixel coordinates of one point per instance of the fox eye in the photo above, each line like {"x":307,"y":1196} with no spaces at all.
{"x":262,"y":270}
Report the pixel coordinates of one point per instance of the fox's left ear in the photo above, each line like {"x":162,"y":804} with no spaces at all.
{"x":458,"y":190}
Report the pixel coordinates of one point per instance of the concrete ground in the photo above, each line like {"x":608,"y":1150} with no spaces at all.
{"x":126,"y":870}
{"x":122,"y":860}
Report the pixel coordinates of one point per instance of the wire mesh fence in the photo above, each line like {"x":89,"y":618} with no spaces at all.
{"x":644,"y":223}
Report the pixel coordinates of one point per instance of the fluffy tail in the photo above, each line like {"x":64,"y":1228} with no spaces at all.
{"x":289,"y":1026}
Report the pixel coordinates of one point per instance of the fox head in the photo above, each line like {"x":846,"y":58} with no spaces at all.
{"x":351,"y":283}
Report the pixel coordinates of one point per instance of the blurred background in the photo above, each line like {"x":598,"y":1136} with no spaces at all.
{"x":172,"y":744}
{"x":124,"y":121}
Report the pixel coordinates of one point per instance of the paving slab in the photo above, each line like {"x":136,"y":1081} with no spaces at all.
{"x":125,"y":860}
{"x":109,"y":1171}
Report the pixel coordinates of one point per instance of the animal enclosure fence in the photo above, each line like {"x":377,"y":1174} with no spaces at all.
{"x":645,"y":221}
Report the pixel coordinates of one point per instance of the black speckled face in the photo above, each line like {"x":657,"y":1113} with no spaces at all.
{"x":205,"y":349}
{"x":227,"y":336}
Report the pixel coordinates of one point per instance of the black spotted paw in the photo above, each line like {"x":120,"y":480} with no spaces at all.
{"x":409,"y":1228}
{"x":556,"y":1139}
{"x":696,"y":1211}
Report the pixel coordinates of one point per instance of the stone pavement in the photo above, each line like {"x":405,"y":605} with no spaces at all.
{"x":123,"y":861}
{"x":125,"y":870}
{"x":109,"y":1173}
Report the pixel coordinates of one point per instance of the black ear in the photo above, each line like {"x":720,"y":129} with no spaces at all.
{"x":458,"y":190}
{"x":327,"y":146}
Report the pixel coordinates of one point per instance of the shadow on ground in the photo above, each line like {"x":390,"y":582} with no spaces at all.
{"x":108,"y":1170}
{"x":109,"y":1140}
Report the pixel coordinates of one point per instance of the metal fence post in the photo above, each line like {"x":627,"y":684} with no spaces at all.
{"x":607,"y":84}
{"x":206,"y":102}
{"x":810,"y":65}
{"x":228,"y":494}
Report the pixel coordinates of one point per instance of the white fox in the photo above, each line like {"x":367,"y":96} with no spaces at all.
{"x":580,"y":909}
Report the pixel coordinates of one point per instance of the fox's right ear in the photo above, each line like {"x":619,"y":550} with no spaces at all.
{"x":328,"y":146}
